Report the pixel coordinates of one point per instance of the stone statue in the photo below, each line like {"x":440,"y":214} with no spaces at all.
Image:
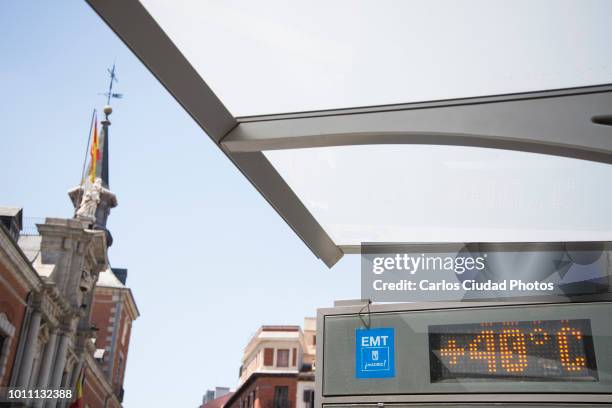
{"x":90,"y":201}
{"x":87,"y":281}
{"x":92,"y":204}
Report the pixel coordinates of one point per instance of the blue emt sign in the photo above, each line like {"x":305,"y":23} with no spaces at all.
{"x":375,"y":353}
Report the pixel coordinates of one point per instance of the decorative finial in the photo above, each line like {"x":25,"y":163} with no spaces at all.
{"x":110,"y":94}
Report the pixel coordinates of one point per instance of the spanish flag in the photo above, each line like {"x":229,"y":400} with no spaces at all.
{"x":78,"y":402}
{"x":94,"y":153}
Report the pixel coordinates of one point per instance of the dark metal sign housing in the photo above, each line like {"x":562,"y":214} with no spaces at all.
{"x":530,"y":352}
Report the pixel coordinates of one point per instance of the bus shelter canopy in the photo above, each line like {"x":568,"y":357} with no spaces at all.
{"x":390,"y":121}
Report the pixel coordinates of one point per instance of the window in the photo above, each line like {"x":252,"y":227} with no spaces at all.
{"x":2,"y":340}
{"x":314,"y":339}
{"x":309,"y":398}
{"x":126,"y":328}
{"x":268,"y":357}
{"x":281,"y":395}
{"x":119,"y":369}
{"x":250,"y":399}
{"x":3,"y":354}
{"x":282,"y":358}
{"x":7,"y":330}
{"x":294,"y":358}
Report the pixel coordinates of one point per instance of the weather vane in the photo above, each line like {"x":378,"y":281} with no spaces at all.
{"x":113,"y":79}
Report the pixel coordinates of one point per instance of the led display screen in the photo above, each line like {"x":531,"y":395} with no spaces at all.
{"x":546,"y":350}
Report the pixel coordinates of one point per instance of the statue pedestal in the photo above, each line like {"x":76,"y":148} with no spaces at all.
{"x":88,"y":222}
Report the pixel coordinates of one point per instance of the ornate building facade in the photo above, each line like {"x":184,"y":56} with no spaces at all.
{"x":65,"y":316}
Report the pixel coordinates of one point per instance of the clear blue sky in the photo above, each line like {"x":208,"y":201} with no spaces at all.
{"x":209,"y":260}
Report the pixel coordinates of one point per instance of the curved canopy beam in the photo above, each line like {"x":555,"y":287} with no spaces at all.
{"x":561,"y":123}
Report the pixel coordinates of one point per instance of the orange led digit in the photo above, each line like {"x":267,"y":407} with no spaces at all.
{"x":513,"y":351}
{"x":488,"y":338}
{"x":576,"y":364}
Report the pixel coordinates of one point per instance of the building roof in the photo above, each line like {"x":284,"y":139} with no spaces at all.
{"x":30,"y":245}
{"x":282,"y":328}
{"x":20,"y":260}
{"x":10,"y":211}
{"x":108,"y":279}
{"x":218,"y":402}
{"x":12,"y":218}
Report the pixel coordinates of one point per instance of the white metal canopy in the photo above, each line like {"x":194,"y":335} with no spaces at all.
{"x":273,"y":56}
{"x":457,"y":168}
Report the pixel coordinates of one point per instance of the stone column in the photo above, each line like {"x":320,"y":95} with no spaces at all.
{"x":25,"y":371}
{"x":45,"y":368}
{"x":58,"y":367}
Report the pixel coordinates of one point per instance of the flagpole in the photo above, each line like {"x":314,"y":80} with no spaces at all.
{"x":91,"y":125}
{"x":93,"y":115}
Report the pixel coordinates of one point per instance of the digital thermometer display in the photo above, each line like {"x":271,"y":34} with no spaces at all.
{"x":547,"y":350}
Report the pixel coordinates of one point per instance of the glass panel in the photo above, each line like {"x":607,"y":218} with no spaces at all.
{"x":277,"y":56}
{"x":418,"y":193}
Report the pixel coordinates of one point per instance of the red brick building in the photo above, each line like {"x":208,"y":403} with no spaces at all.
{"x":17,"y":279}
{"x":277,"y":368}
{"x":114,"y":310}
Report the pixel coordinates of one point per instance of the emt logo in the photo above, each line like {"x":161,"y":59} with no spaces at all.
{"x":375,"y":353}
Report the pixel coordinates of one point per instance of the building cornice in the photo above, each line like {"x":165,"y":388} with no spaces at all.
{"x":132,"y":307}
{"x":263,"y":336}
{"x":127,"y":294}
{"x":62,"y":227}
{"x":55,"y":308}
